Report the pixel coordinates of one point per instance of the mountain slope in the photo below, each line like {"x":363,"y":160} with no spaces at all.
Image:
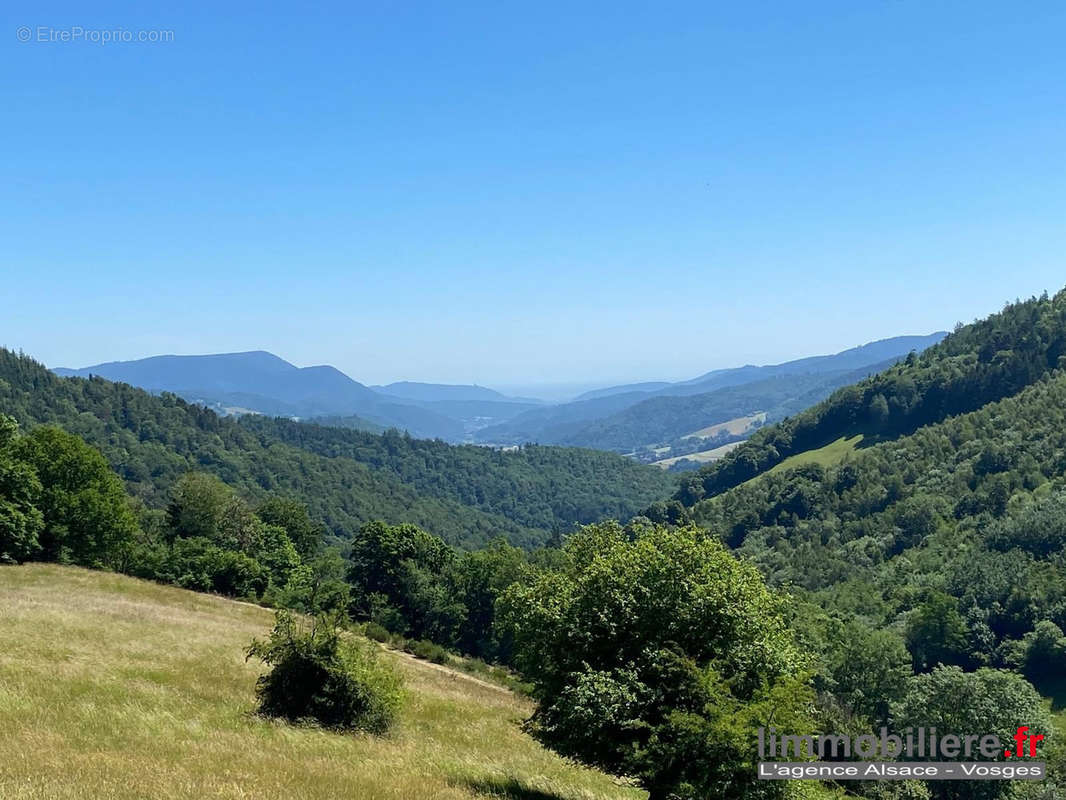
{"x":600,"y":420}
{"x":665,"y":419}
{"x":977,"y":364}
{"x":143,"y":690}
{"x":928,"y":501}
{"x":960,"y":492}
{"x":466,"y":495}
{"x":262,"y":382}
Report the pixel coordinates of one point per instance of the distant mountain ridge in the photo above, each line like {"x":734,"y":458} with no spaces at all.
{"x":627,"y":418}
{"x":447,"y":392}
{"x":612,"y":418}
{"x":262,"y":382}
{"x":253,"y":372}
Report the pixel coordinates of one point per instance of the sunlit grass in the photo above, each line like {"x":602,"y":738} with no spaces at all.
{"x":833,"y":453}
{"x":116,"y":688}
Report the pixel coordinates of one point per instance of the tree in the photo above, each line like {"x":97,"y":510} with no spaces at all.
{"x":405,"y":579}
{"x":937,"y":633}
{"x":988,"y":701}
{"x":657,"y":654}
{"x":1043,"y":655}
{"x":485,"y":575}
{"x":879,"y":411}
{"x":292,"y":515}
{"x":319,"y":586}
{"x":272,"y":548}
{"x":86,"y":514}
{"x":197,"y":505}
{"x":869,"y":669}
{"x":20,"y":519}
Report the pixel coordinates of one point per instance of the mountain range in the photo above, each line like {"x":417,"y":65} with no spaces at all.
{"x":655,"y":417}
{"x":652,"y":420}
{"x":263,"y":383}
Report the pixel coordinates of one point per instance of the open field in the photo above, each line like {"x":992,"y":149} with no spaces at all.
{"x":832,"y":453}
{"x":116,"y":688}
{"x":702,"y":457}
{"x":734,"y":427}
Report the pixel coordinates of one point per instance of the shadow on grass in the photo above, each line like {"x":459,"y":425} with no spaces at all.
{"x":508,"y":789}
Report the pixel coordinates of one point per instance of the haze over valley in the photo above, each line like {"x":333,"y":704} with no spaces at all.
{"x":652,"y":421}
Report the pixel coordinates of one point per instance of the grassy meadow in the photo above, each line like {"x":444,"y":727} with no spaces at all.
{"x":833,"y":453}
{"x":116,"y":688}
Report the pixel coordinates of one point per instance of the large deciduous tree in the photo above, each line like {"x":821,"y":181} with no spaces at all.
{"x":657,"y":654}
{"x":87,"y":516}
{"x":20,"y":519}
{"x":988,"y":701}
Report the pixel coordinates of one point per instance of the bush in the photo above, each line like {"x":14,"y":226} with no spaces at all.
{"x":428,"y":650}
{"x":377,"y":632}
{"x":317,"y":675}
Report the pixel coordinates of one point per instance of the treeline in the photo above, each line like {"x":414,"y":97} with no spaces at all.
{"x":61,"y":502}
{"x":963,"y":523}
{"x":977,"y":364}
{"x":467,"y":495}
{"x":654,"y":653}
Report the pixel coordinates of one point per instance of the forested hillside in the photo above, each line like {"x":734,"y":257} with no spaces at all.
{"x":668,"y":418}
{"x":977,"y":364}
{"x":920,"y":547}
{"x":648,"y":416}
{"x":951,"y":526}
{"x":467,"y":495}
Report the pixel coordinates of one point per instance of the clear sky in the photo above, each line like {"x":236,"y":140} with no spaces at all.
{"x":522,"y":192}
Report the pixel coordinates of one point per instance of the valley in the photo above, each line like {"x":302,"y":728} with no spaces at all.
{"x":651,"y":422}
{"x":494,"y":401}
{"x":910,"y":518}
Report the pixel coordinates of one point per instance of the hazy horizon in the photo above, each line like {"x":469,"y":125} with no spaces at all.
{"x":549,"y":390}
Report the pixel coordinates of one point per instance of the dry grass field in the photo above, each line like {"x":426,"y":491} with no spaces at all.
{"x":113,"y":689}
{"x":701,"y":456}
{"x":735,"y":427}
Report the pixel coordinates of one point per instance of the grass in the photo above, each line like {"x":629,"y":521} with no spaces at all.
{"x":701,"y":456}
{"x":113,"y":688}
{"x":735,"y":427}
{"x":832,"y":453}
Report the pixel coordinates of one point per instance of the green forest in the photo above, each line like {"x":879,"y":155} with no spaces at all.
{"x":946,"y":524}
{"x":467,"y":495}
{"x":912,"y":577}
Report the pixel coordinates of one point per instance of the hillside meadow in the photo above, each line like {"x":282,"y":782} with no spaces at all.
{"x":117,"y":688}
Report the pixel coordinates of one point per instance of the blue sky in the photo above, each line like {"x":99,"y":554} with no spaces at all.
{"x":516,"y":193}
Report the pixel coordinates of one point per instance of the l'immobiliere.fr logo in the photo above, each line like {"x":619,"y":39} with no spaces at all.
{"x":907,"y":756}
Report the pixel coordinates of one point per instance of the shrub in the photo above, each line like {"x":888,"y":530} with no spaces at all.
{"x":316,"y":674}
{"x":426,"y":649}
{"x":377,"y":632}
